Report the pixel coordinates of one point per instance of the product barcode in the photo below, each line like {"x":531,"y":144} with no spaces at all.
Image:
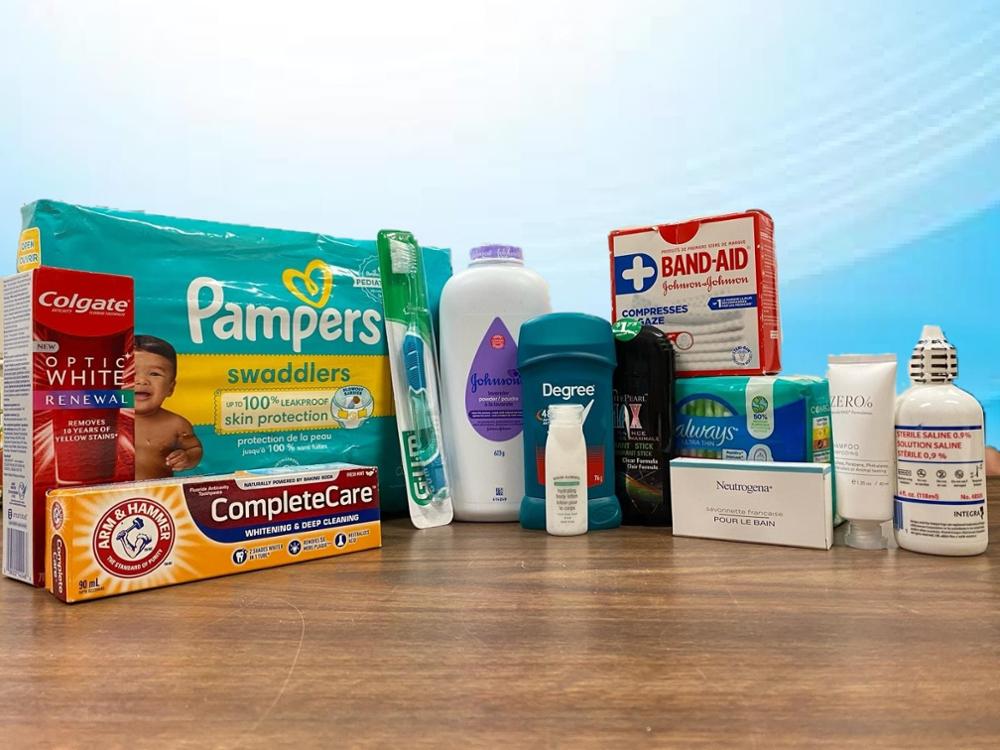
{"x":16,"y":547}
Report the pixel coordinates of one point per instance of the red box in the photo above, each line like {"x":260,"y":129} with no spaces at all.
{"x":68,"y":398}
{"x":709,"y":284}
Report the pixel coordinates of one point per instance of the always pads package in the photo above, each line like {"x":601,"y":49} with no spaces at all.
{"x":709,"y":284}
{"x":768,"y":418}
{"x":254,"y":347}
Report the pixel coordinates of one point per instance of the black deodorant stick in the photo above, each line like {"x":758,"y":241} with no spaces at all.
{"x":644,"y":423}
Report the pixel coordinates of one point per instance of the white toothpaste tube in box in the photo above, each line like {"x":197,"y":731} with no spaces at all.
{"x":710,"y":284}
{"x":790,"y":504}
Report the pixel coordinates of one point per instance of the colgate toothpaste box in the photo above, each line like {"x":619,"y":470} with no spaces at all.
{"x":119,"y":538}
{"x":710,"y":284}
{"x":67,"y":398}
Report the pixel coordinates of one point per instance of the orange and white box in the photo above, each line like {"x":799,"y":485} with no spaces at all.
{"x":119,"y":538}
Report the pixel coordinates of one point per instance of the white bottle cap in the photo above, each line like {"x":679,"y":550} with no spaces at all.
{"x":934,"y":359}
{"x":864,"y":535}
{"x":566,"y":413}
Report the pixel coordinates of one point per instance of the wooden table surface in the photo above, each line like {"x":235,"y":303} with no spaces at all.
{"x":482,"y":635}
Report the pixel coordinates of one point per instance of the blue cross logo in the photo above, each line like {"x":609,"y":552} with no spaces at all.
{"x":634,"y":273}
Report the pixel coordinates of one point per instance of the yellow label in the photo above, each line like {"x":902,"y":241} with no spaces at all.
{"x":267,"y":411}
{"x":29,"y":249}
{"x":275,"y":392}
{"x":821,"y":430}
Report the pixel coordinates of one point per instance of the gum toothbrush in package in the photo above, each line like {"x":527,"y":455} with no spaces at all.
{"x":254,"y":347}
{"x":410,"y":337}
{"x":709,"y":284}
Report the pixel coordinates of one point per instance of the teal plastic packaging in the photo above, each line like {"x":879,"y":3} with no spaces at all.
{"x":766,"y":418}
{"x":568,"y":358}
{"x":273,"y":341}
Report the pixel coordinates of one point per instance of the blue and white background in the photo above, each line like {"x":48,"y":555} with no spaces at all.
{"x":870,"y":132}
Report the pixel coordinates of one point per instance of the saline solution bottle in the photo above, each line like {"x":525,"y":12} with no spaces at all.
{"x":940,"y":504}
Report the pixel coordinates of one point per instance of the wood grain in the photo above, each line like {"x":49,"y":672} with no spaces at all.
{"x":483,"y":635}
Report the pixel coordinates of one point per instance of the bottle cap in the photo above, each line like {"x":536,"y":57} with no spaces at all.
{"x":626,"y":329}
{"x":934,"y":359}
{"x":864,"y":535}
{"x":566,"y":413}
{"x":496,"y":252}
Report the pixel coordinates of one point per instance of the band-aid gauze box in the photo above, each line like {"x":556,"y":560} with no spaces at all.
{"x":710,"y":284}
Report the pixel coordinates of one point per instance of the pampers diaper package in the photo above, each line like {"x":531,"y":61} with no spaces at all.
{"x":709,"y":284}
{"x":119,"y":538}
{"x":254,"y":347}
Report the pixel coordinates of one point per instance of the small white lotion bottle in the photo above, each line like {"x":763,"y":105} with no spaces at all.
{"x":565,"y":471}
{"x":862,"y":399}
{"x":940,"y":503}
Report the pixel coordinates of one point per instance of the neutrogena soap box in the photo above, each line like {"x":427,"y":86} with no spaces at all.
{"x":255,"y":347}
{"x":710,"y":284}
{"x":789,"y":504}
{"x":119,"y":538}
{"x":67,"y":398}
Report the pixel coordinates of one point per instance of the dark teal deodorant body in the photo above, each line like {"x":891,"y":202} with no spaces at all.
{"x":568,"y":358}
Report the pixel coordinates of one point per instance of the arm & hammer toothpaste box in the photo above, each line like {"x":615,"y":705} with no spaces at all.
{"x":68,"y":398}
{"x":790,"y":504}
{"x":709,"y":284}
{"x":119,"y":538}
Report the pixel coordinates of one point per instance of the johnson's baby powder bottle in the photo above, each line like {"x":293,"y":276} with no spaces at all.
{"x":481,"y":312}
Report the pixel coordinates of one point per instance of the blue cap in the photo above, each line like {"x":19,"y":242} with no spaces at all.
{"x":496,"y":252}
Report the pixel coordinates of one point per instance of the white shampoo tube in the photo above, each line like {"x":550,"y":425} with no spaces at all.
{"x":862,"y":406}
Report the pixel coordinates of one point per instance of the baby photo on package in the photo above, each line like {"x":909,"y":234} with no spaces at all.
{"x":254,"y":347}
